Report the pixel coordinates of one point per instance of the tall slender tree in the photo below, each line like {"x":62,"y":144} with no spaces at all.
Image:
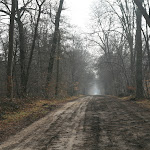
{"x":58,"y":65}
{"x":138,"y":47}
{"x":21,"y":47}
{"x":10,"y":52}
{"x":54,"y":44}
{"x":33,"y":42}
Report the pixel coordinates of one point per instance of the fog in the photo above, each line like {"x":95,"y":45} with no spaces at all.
{"x":94,"y":89}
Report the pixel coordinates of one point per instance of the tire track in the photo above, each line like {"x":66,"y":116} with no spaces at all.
{"x":47,"y":131}
{"x":90,"y":123}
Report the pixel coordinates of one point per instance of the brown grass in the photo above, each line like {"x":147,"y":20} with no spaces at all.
{"x":125,"y":98}
{"x":29,"y":112}
{"x":144,"y":103}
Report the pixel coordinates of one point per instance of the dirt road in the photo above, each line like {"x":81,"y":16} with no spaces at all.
{"x":89,"y":123}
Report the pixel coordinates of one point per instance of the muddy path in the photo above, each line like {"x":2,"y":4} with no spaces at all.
{"x":89,"y":123}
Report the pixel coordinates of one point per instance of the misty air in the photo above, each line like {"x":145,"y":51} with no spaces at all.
{"x":75,"y":74}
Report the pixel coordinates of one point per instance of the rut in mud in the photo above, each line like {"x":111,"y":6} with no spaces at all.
{"x":89,"y":123}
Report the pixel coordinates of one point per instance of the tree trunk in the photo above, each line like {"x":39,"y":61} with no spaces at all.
{"x":138,"y":47}
{"x":34,"y":41}
{"x":143,"y":11}
{"x":54,"y":46}
{"x":132,"y":61}
{"x":10,"y":52}
{"x":148,"y":47}
{"x":22,"y":58}
{"x":22,"y":52}
{"x":58,"y":63}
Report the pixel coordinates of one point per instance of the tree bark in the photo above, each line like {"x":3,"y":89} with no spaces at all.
{"x":138,"y":47}
{"x":22,"y":52}
{"x":58,"y":64}
{"x":25,"y":70}
{"x":54,"y":46}
{"x":34,"y":41}
{"x":143,"y":11}
{"x":10,"y":52}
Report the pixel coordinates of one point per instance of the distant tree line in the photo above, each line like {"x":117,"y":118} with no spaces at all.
{"x":40,"y":58}
{"x":121,"y":35}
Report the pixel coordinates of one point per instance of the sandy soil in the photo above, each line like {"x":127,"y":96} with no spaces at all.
{"x":89,"y":123}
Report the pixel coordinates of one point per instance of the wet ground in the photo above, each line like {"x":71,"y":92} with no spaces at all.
{"x":89,"y":123}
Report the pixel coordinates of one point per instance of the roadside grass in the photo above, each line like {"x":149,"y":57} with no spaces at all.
{"x":126,"y":98}
{"x":14,"y":120}
{"x":142,"y":102}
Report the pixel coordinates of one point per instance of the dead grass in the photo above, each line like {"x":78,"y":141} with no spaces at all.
{"x":14,"y":121}
{"x":126,"y":98}
{"x":144,"y":103}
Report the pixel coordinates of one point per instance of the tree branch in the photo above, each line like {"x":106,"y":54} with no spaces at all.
{"x":143,"y":11}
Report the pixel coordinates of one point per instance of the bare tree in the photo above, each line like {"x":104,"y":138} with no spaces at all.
{"x":138,"y":47}
{"x":21,"y":47}
{"x":58,"y":65}
{"x":143,"y":11}
{"x":33,"y":42}
{"x":10,"y":53}
{"x":127,"y":22}
{"x":54,"y":43}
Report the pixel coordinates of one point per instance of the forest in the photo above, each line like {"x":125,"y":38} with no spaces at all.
{"x":41,"y":55}
{"x":63,"y":87}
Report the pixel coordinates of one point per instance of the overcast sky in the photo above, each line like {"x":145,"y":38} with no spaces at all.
{"x":78,"y":12}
